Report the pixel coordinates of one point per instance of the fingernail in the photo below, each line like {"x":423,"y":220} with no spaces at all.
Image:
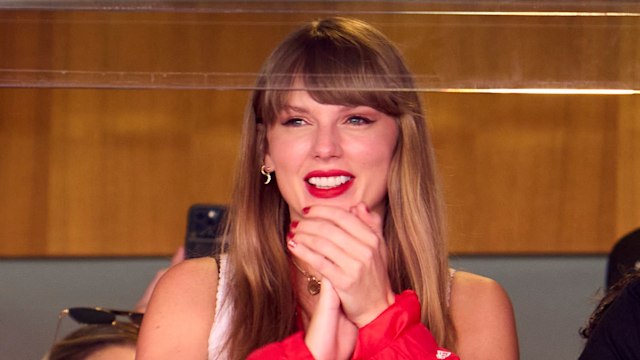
{"x":306,"y":210}
{"x":293,"y":224}
{"x":292,"y":244}
{"x":290,"y":235}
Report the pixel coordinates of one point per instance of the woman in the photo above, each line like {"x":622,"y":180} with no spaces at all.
{"x":329,"y":249}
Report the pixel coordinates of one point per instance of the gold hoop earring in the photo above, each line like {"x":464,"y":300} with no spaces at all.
{"x":266,"y":172}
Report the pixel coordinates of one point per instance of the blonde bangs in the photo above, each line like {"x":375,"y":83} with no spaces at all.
{"x":338,"y":89}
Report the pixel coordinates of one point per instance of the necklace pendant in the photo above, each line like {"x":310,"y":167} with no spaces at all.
{"x":313,"y":285}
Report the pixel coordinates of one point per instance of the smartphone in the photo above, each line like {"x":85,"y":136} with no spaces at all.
{"x":204,"y":227}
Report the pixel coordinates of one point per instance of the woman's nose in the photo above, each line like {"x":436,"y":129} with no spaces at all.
{"x":327,"y":142}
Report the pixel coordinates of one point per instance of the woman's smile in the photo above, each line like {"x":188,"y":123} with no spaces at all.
{"x":328,"y":184}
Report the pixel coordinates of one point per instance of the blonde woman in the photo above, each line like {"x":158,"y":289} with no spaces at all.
{"x":335,"y":230}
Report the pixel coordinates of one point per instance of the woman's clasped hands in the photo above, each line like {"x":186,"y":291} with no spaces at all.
{"x":346,"y":248}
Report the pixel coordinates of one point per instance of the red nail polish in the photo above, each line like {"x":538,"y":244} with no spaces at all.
{"x":290,"y":235}
{"x":294,"y":224}
{"x":305,"y":210}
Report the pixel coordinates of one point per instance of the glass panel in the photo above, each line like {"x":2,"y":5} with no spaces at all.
{"x":461,"y":46}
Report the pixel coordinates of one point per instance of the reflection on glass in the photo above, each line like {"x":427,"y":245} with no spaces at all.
{"x":463,"y":46}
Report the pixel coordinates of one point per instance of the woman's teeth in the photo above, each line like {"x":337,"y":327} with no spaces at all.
{"x":328,"y":182}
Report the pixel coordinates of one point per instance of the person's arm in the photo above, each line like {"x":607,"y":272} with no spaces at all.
{"x":180,"y":313}
{"x":396,"y":333}
{"x":329,"y":336}
{"x":483,"y":318}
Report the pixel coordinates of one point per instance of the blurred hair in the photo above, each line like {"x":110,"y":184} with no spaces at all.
{"x":343,"y":62}
{"x":91,"y":338}
{"x":612,"y":294}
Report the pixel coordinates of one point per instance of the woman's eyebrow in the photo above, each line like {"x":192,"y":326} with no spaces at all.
{"x":361,"y":109}
{"x":288,"y":108}
{"x":296,"y":109}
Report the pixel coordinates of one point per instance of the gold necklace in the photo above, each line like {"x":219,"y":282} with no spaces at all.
{"x":313,"y":284}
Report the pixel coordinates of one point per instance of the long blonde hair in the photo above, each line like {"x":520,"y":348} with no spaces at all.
{"x":347,"y":62}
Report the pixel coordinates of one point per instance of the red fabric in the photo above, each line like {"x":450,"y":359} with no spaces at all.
{"x":397,"y":333}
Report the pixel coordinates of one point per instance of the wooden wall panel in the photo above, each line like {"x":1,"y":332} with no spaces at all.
{"x":627,"y":159}
{"x":23,"y":171}
{"x":90,"y":171}
{"x":535,"y":173}
{"x":112,"y":172}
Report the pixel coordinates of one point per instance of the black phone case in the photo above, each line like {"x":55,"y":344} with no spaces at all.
{"x":204,"y":227}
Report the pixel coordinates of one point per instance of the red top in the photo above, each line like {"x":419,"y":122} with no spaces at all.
{"x":396,"y":333}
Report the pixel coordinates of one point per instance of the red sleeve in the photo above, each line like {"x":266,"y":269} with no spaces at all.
{"x":397,"y":333}
{"x":292,"y":347}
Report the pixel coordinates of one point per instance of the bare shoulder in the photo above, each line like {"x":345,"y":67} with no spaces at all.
{"x":483,"y":317}
{"x":181,"y":311}
{"x":192,"y":282}
{"x":467,"y":287}
{"x":200,"y":272}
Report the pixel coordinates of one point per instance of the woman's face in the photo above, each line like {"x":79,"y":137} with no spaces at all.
{"x":330,"y":154}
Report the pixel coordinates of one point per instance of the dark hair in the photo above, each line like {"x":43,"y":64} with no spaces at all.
{"x":91,"y":338}
{"x":612,"y":294}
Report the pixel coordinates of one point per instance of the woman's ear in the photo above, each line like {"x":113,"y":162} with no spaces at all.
{"x":263,"y":146}
{"x":268,"y":162}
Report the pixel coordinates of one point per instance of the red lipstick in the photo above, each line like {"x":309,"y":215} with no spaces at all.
{"x":328,"y":183}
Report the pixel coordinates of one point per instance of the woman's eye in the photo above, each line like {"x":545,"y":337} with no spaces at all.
{"x":358,"y":120}
{"x":293,"y":122}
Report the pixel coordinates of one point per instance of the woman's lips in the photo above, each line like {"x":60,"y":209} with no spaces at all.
{"x":328,"y":184}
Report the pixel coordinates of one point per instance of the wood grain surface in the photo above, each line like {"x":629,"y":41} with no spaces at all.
{"x":110,"y":134}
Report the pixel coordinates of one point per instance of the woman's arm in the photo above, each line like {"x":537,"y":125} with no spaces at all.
{"x":396,"y":334}
{"x":180,"y":313}
{"x":330,"y":335}
{"x":483,"y":317}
